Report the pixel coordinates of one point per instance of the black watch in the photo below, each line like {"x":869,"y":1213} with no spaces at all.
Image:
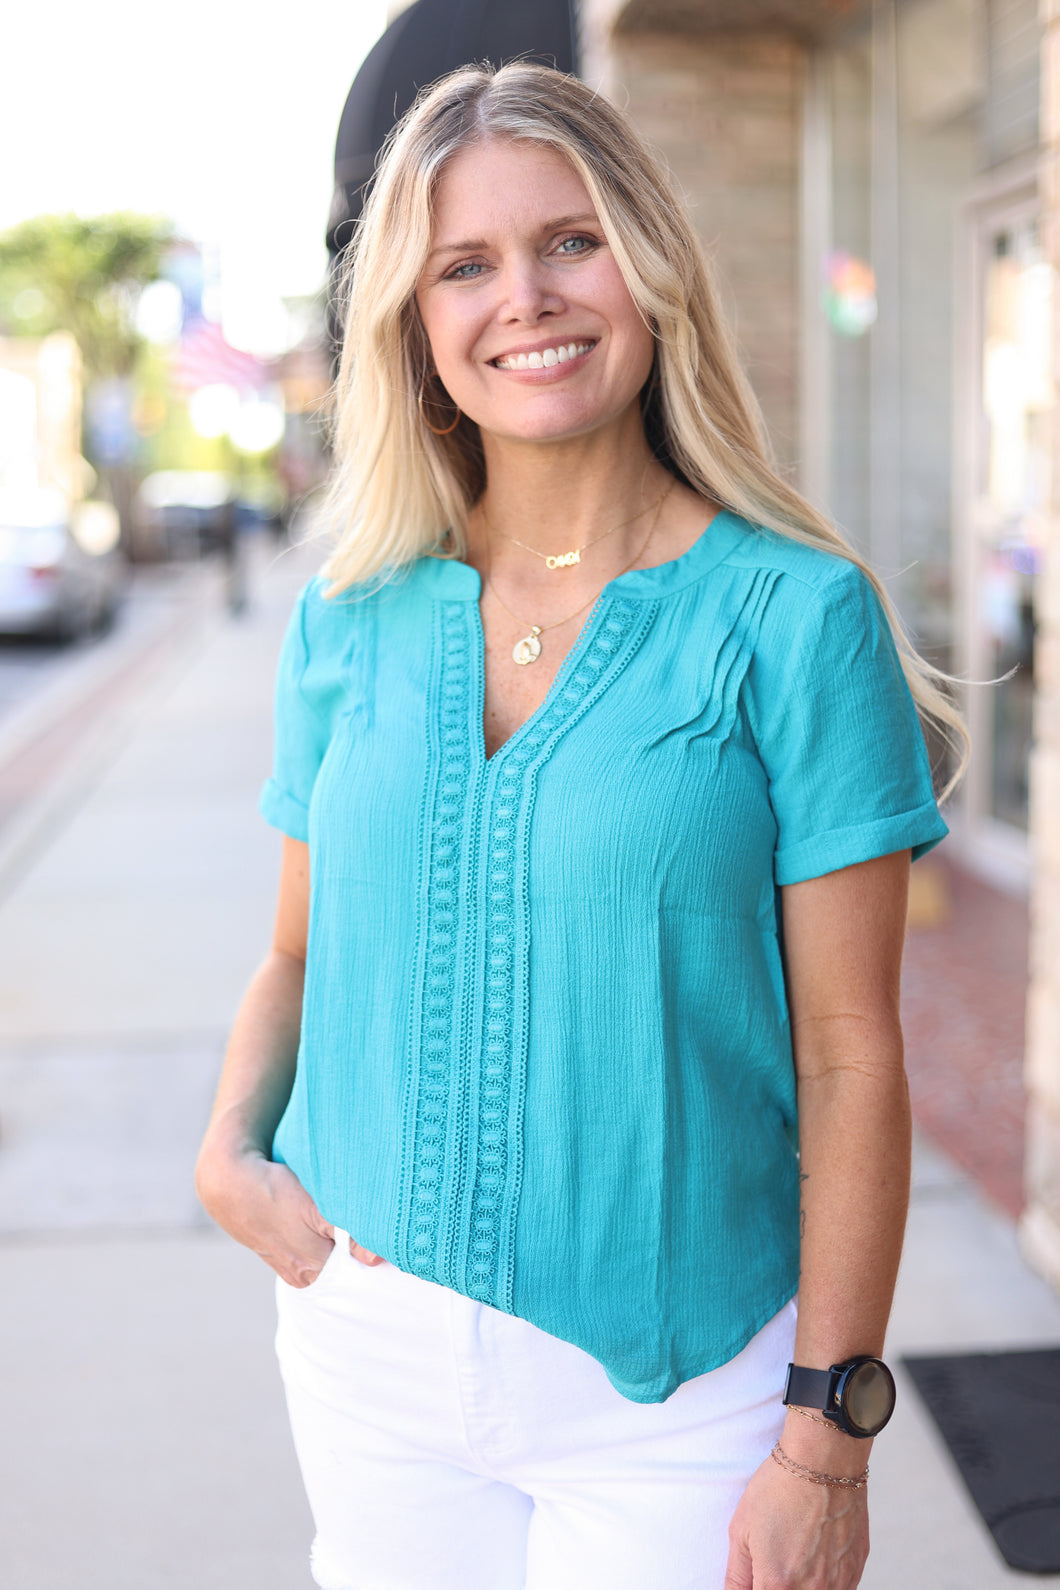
{"x":857,"y":1395}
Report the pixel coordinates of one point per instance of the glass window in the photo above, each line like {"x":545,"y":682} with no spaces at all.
{"x":1012,"y":494}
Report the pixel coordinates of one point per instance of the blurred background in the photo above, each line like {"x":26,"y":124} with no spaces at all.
{"x":879,"y":184}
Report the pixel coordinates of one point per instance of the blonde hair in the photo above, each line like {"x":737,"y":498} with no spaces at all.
{"x":398,"y":490}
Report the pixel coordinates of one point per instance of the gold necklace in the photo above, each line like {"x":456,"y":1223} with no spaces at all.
{"x":528,"y":649}
{"x":567,"y":560}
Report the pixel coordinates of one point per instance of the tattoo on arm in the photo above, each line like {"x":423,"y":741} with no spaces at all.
{"x":804,"y":1175}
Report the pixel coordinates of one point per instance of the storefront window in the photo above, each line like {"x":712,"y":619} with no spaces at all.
{"x":1013,"y":490}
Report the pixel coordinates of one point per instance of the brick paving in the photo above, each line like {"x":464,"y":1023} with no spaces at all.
{"x":963,"y":1004}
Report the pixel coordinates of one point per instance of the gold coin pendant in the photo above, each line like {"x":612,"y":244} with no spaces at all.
{"x":528,"y":649}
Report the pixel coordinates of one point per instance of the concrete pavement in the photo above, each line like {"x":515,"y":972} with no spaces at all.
{"x":146,"y":1446}
{"x":146,"y":1443}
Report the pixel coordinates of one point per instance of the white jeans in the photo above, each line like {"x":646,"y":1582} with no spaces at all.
{"x":446,"y":1445}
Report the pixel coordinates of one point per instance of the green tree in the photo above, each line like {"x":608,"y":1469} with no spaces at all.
{"x":83,"y":275}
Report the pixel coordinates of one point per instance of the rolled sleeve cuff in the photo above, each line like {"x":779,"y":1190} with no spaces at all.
{"x":283,"y":811}
{"x":918,"y":831}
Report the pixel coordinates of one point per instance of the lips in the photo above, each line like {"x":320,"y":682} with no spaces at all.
{"x":544,"y":358}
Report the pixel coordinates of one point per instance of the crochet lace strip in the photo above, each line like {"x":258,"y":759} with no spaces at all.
{"x":467,"y":1059}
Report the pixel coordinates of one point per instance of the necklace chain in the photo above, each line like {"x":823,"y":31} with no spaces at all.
{"x":528,"y":649}
{"x":567,"y":560}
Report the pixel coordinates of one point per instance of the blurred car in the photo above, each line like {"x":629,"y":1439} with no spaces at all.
{"x":187,"y":513}
{"x":182,"y":513}
{"x":61,"y":573}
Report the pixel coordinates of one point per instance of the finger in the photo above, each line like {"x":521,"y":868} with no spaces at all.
{"x":364,"y":1255}
{"x":738,"y":1573}
{"x":296,"y":1272}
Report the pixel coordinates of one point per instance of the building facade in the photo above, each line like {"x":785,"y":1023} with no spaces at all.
{"x":879,"y":183}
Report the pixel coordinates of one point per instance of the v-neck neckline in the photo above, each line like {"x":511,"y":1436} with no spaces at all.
{"x":559,"y":681}
{"x":454,"y":580}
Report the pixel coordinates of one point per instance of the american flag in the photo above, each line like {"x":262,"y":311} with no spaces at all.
{"x":204,"y":358}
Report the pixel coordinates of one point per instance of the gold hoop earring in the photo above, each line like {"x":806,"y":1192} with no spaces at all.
{"x":432,"y":428}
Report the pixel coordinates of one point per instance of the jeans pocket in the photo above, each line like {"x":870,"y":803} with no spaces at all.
{"x":333,"y":1261}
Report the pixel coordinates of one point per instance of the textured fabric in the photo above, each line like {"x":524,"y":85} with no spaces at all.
{"x":447,"y":1446}
{"x":545,"y":1053}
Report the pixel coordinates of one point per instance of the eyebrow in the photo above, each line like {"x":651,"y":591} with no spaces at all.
{"x":472,"y":245}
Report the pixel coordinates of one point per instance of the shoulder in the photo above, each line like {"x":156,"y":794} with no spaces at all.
{"x":330,"y":617}
{"x":323,"y":611}
{"x":807,"y":571}
{"x":809,"y":590}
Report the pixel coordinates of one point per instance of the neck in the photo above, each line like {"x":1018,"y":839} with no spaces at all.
{"x":556,"y":496}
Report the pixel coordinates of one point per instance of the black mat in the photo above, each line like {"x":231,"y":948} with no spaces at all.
{"x":1000,"y":1416}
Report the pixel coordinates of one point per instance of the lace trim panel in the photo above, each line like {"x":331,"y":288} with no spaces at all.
{"x":432,"y":1047}
{"x":497,"y":1147}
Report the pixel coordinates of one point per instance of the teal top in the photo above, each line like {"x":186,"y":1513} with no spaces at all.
{"x":545,"y":1055}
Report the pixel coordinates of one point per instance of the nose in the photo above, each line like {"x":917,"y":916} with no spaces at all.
{"x":529,"y":293}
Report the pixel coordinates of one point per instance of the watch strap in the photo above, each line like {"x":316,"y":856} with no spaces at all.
{"x":808,"y":1388}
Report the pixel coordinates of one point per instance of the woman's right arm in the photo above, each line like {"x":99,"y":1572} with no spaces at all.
{"x":260,"y":1203}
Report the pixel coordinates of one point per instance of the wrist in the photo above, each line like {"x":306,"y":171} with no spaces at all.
{"x":225,"y":1159}
{"x":807,"y":1473}
{"x":857,"y":1395}
{"x":827,"y":1449}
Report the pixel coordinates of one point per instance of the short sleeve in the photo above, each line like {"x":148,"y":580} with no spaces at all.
{"x":301,"y":732}
{"x":838,"y":732}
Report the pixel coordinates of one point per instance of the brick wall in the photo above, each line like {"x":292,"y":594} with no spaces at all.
{"x":1041,"y":1221}
{"x":725,"y":113}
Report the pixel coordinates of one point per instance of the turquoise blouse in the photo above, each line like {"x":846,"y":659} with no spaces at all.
{"x":545,"y":1054}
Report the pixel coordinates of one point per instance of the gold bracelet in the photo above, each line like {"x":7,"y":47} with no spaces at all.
{"x":781,"y":1458}
{"x":826,"y":1424}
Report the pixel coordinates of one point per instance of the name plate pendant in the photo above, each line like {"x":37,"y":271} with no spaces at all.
{"x":563,"y":560}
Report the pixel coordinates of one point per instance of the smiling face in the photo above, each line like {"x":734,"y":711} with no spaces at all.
{"x":531,"y":327}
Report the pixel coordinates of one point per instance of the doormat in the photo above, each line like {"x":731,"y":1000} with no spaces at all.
{"x":999,"y":1414}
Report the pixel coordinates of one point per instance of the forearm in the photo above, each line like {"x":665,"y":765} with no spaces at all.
{"x":259,"y":1066}
{"x":854,"y":1134}
{"x":843,"y":950}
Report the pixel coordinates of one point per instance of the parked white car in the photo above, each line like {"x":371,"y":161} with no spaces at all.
{"x":61,"y":572}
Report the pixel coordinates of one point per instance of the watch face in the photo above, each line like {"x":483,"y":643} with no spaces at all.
{"x":868,"y":1396}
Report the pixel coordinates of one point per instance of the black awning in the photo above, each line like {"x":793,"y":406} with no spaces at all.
{"x":430,"y":38}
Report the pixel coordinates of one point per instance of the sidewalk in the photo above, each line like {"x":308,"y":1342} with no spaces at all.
{"x":146,"y":1443}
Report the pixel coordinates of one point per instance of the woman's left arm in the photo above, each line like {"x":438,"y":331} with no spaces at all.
{"x":843,"y":936}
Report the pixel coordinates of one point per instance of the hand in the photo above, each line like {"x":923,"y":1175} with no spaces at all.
{"x":788,"y":1532}
{"x":264,"y":1206}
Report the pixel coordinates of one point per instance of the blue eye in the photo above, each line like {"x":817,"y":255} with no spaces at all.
{"x":457,"y":274}
{"x":583,"y":243}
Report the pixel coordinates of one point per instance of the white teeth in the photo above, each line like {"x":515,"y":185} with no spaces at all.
{"x":543,"y":361}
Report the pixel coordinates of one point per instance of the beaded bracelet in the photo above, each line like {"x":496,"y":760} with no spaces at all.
{"x":781,"y":1458}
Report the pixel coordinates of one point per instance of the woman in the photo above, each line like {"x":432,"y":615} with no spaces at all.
{"x":600,"y":776}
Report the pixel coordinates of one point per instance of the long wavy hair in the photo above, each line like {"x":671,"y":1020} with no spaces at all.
{"x":398,"y":490}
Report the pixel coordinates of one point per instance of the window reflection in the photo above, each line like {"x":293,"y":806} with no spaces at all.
{"x":1017,"y":394}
